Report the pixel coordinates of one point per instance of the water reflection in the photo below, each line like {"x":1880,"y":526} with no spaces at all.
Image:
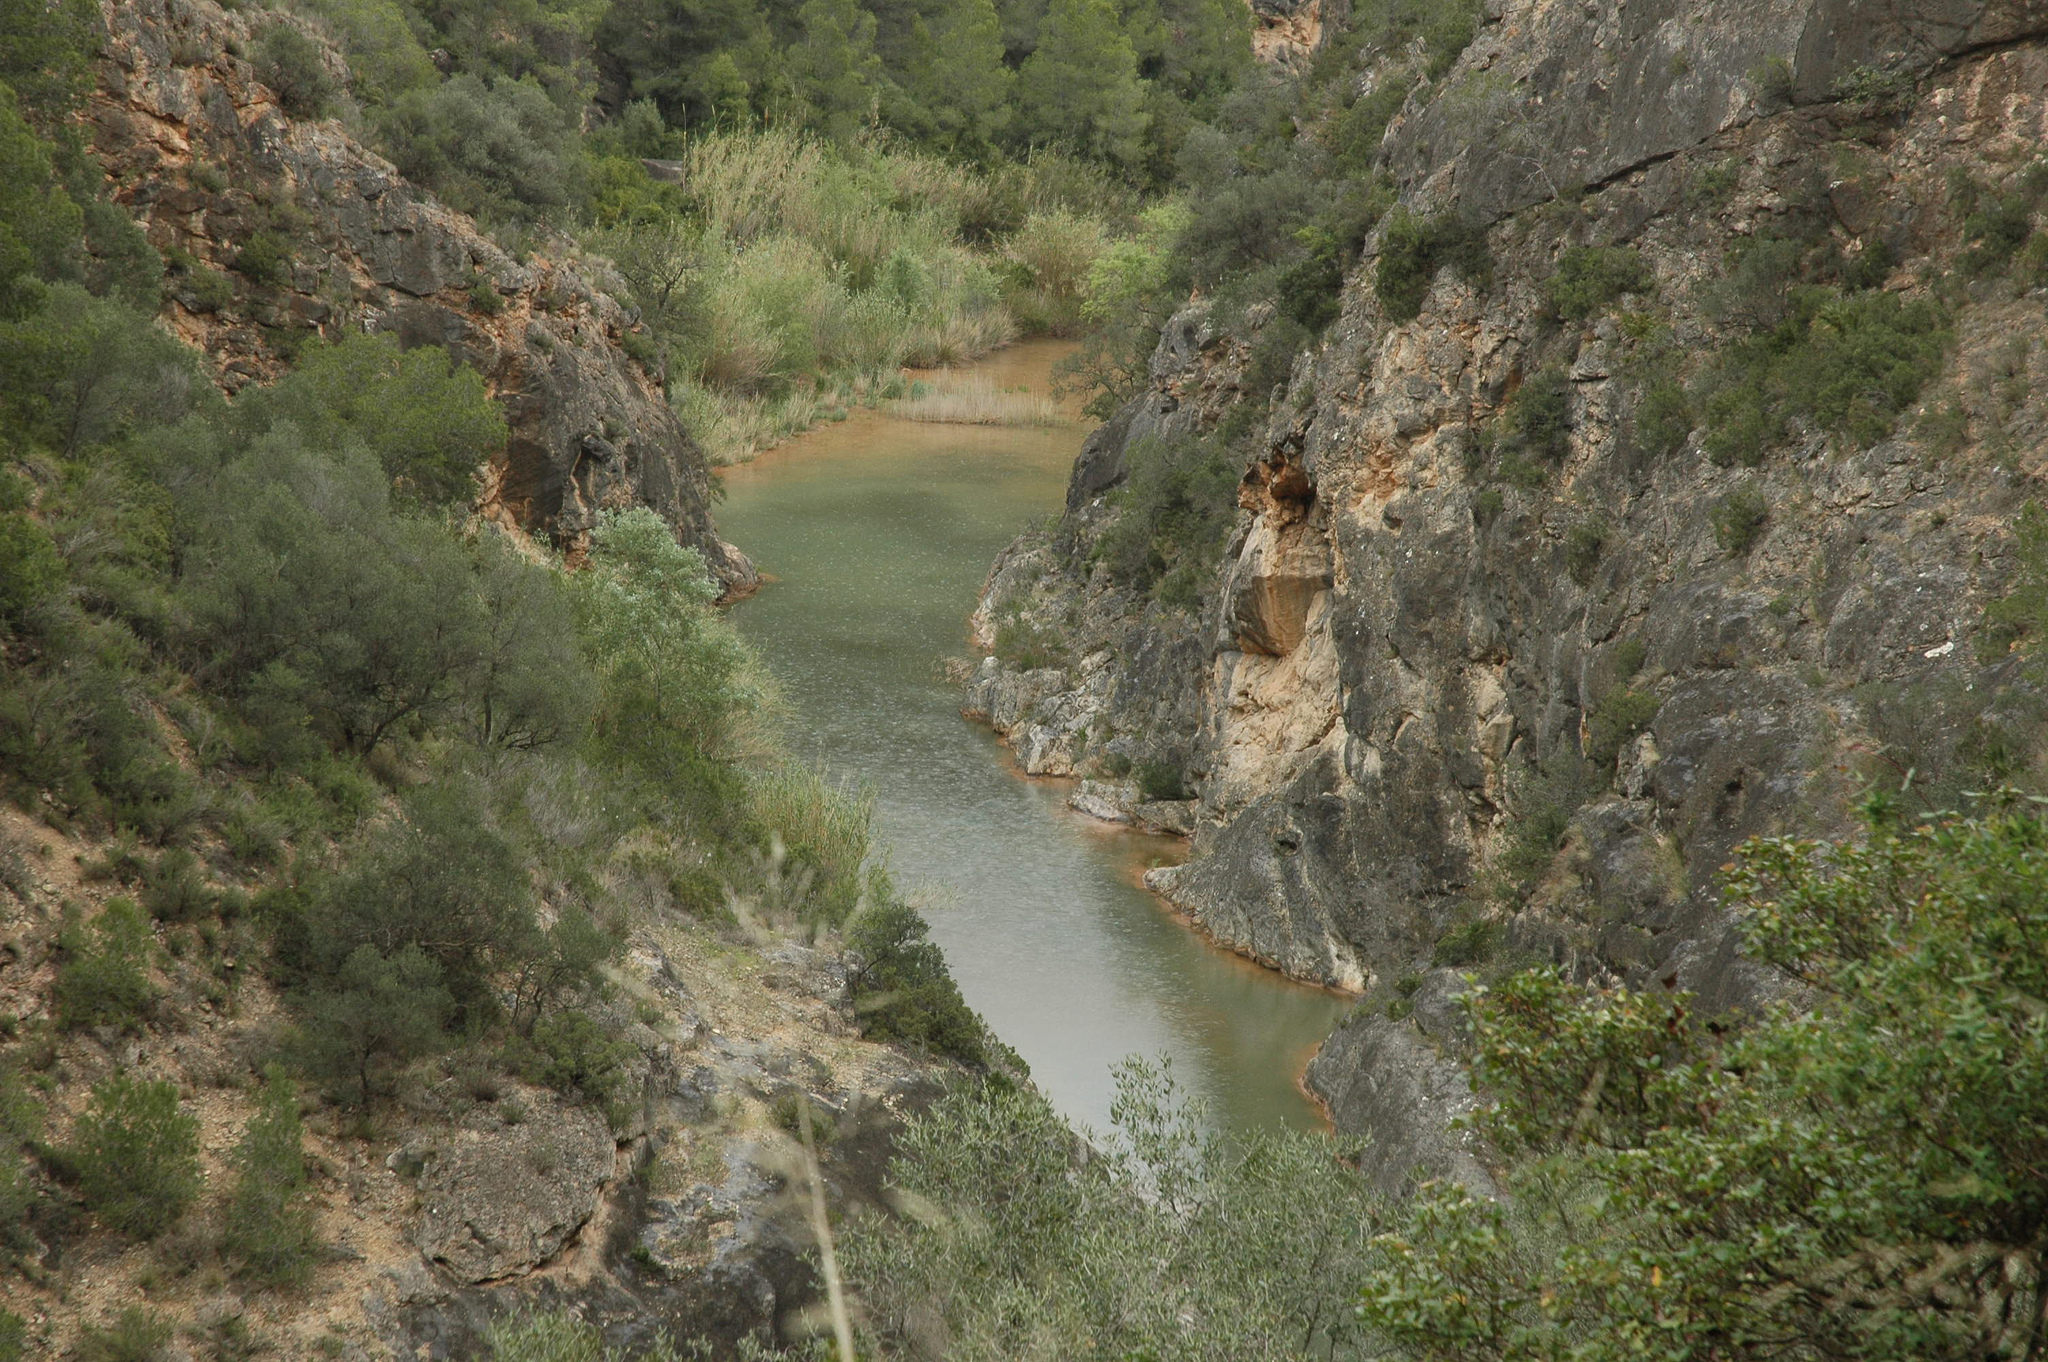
{"x":878,"y":533}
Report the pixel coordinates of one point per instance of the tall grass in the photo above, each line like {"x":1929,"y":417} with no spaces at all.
{"x":819,"y":271}
{"x":974,"y":400}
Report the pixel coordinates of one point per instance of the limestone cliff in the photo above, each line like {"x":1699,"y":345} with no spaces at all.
{"x":1407,"y":640}
{"x":211,"y":163}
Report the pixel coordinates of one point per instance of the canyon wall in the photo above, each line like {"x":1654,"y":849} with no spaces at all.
{"x":1418,"y":646}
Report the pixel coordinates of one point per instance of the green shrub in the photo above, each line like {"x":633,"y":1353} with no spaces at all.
{"x":13,"y":1336}
{"x":102,"y":980}
{"x":269,"y":1228}
{"x":1413,"y":249}
{"x":1590,"y":278}
{"x":902,"y":988}
{"x":1544,"y":799}
{"x":265,"y":258}
{"x":1629,"y":655}
{"x":1175,"y":511}
{"x":290,"y":63}
{"x":1537,"y":420}
{"x":1469,"y":943}
{"x":1663,"y":416}
{"x":571,"y":1053}
{"x":172,"y":890}
{"x":1584,"y":545}
{"x":2019,"y":619}
{"x":1487,"y":504}
{"x":136,"y":1152}
{"x":1160,"y":779}
{"x":1739,"y":519}
{"x":374,"y":1017}
{"x":31,"y":572}
{"x":1028,"y":646}
{"x":1848,"y":363}
{"x":136,"y":1335}
{"x":1620,"y":715}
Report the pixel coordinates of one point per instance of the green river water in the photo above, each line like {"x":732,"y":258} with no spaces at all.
{"x":876,"y":535}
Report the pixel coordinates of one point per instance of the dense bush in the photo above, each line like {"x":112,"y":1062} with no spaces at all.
{"x":1621,"y":714}
{"x":374,"y":1017}
{"x":136,"y":1155}
{"x":1590,"y":278}
{"x":902,"y":989}
{"x":1584,"y":545}
{"x":1739,"y":519}
{"x":291,"y":63}
{"x":1413,"y":250}
{"x":1176,"y":507}
{"x":488,"y":147}
{"x":269,"y":1229}
{"x":103,"y":980}
{"x":573,"y":1054}
{"x":1537,"y":420}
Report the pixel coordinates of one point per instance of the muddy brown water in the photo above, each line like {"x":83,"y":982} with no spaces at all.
{"x":876,"y":534}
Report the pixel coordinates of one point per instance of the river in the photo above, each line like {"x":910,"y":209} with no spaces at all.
{"x":876,"y":534}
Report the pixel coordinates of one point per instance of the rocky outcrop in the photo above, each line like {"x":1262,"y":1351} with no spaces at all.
{"x":209,"y":162}
{"x":1405,"y":661}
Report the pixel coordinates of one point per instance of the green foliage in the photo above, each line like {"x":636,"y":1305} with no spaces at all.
{"x":426,"y":418}
{"x":1176,"y":507}
{"x":1028,"y":646}
{"x":1413,"y":250}
{"x":1169,"y":1243}
{"x":265,"y":258}
{"x":1161,"y":780}
{"x":13,"y":1336}
{"x":374,"y":1017}
{"x":269,"y":1226}
{"x":1537,"y":420}
{"x":136,"y":1334}
{"x":2019,"y":619}
{"x":902,"y":988}
{"x":672,"y":676}
{"x":30,"y":570}
{"x":499,"y":148}
{"x":84,"y":371}
{"x":571,"y":1053}
{"x":438,"y":879}
{"x":103,"y":980}
{"x":1848,"y":363}
{"x":290,"y":63}
{"x":173,"y":889}
{"x":1621,"y":714}
{"x":1584,"y":545}
{"x":1471,"y":942}
{"x":1996,"y":225}
{"x":1878,"y":1148}
{"x":1545,"y":797}
{"x":1080,"y":86}
{"x":136,"y":1153}
{"x":561,"y":1337}
{"x":1590,"y":278}
{"x":1739,"y":519}
{"x":40,"y":227}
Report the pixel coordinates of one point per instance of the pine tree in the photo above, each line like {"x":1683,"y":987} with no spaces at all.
{"x":1081,"y":87}
{"x":958,"y":84}
{"x":834,"y":74}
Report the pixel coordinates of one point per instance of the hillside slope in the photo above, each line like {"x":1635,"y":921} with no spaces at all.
{"x":284,"y":228}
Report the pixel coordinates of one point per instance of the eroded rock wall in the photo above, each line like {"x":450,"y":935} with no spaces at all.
{"x":206,"y":158}
{"x":1396,"y":638}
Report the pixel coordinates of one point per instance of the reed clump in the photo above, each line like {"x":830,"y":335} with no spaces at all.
{"x":975,"y":400}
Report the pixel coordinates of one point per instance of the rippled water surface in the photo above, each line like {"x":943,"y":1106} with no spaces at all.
{"x":877,"y":534}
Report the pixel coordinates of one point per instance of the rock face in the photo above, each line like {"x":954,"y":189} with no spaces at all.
{"x":501,"y":1203}
{"x":1401,"y":659}
{"x":208,"y":161}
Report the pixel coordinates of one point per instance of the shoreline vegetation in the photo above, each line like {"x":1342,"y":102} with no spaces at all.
{"x":809,"y":275}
